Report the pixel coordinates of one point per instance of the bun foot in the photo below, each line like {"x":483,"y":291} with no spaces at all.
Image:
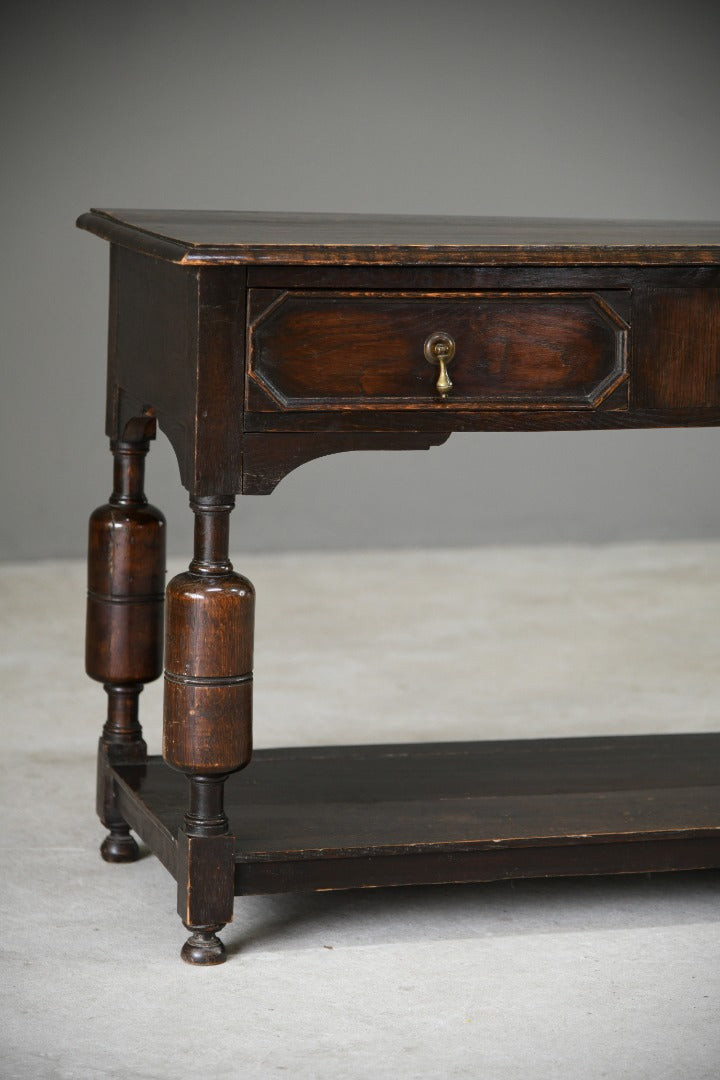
{"x":119,"y":846}
{"x":204,"y":947}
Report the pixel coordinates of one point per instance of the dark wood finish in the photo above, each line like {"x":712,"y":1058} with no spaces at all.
{"x":126,"y":578}
{"x":178,"y":332}
{"x":208,"y":655}
{"x":348,"y":817}
{"x":176,"y":353}
{"x":205,"y":871}
{"x":194,"y":237}
{"x":267,"y":458}
{"x":470,"y":278}
{"x":124,"y":627}
{"x":558,"y":326}
{"x":349,"y":428}
{"x":207,"y":732}
{"x":677,"y":348}
{"x":360,"y":350}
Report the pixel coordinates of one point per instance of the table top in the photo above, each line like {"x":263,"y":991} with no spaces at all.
{"x":209,"y":237}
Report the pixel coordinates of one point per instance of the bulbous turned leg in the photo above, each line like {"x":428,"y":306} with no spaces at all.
{"x":126,"y":578}
{"x":204,"y":947}
{"x":207,"y":721}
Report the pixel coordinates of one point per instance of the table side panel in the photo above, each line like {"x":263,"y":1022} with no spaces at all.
{"x":177,"y":342}
{"x":149,"y":820}
{"x":176,"y":350}
{"x":673,"y":363}
{"x":674,"y":355}
{"x":676,"y":348}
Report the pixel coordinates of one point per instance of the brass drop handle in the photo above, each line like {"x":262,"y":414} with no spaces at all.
{"x":439,"y":349}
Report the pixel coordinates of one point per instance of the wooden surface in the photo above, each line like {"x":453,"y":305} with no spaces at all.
{"x":203,"y":237}
{"x":364,"y":350}
{"x":124,"y":623}
{"x":177,"y":349}
{"x":338,"y":380}
{"x":321,"y":805}
{"x":261,"y":341}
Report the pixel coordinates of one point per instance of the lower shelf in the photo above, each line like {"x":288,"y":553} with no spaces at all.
{"x":361,"y":816}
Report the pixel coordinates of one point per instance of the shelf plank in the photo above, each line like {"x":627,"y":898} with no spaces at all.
{"x":333,"y":817}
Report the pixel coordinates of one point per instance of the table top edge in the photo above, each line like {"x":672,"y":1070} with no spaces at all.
{"x":206,"y":238}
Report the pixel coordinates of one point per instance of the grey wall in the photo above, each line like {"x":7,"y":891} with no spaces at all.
{"x":532,"y":108}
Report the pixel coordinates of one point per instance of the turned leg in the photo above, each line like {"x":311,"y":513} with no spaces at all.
{"x":123,"y":649}
{"x":207,"y":731}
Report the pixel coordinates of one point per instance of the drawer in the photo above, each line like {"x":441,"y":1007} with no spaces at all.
{"x":327,"y":350}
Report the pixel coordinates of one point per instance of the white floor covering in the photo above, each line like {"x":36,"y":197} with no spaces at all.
{"x":586,"y":978}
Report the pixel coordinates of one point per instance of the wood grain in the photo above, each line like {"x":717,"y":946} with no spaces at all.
{"x":332,"y":814}
{"x":211,"y":237}
{"x":676,"y":348}
{"x":364,"y":350}
{"x":559,"y":325}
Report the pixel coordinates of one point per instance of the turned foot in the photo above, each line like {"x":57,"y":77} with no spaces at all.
{"x":204,"y":947}
{"x":119,"y":846}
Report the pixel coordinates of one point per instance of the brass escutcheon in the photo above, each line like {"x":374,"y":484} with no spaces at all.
{"x":439,"y":349}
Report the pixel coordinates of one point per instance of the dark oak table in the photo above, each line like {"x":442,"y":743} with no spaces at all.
{"x":261,"y":341}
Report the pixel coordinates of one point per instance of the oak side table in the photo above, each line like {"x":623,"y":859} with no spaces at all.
{"x":261,"y":341}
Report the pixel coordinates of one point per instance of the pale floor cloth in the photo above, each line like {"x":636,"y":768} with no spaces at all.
{"x":586,"y":978}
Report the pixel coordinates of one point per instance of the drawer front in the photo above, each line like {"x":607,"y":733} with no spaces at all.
{"x":367,"y":350}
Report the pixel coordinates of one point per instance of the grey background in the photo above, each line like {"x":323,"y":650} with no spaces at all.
{"x":531,"y":108}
